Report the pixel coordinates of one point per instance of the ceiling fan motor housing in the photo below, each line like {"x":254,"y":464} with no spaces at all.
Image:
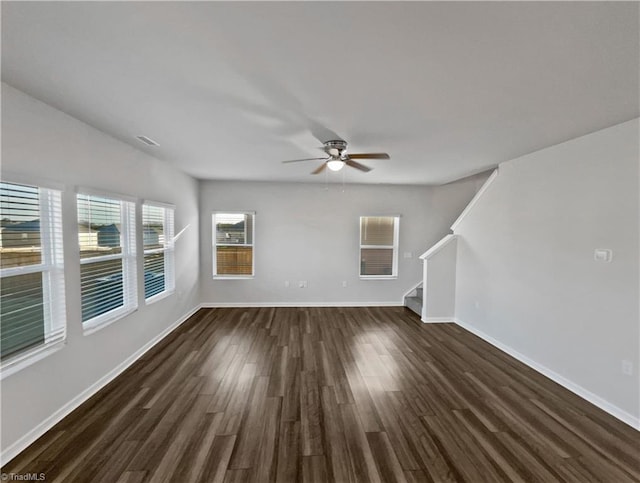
{"x":336,"y":148}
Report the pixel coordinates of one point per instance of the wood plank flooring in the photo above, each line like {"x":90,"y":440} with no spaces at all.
{"x":331,"y":395}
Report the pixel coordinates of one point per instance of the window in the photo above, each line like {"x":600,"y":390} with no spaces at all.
{"x":32,"y":307}
{"x":157,"y":235}
{"x":379,"y":246}
{"x":233,"y":245}
{"x":106,"y":234}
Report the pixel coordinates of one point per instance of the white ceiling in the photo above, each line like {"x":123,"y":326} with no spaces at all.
{"x":231,"y":89}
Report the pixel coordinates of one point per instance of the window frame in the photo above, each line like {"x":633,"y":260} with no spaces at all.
{"x":128,"y":255}
{"x":215,"y":244}
{"x":51,"y":267}
{"x":394,"y":247}
{"x":168,"y":250}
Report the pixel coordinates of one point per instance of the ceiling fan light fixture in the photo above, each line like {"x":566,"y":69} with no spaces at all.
{"x":335,"y":164}
{"x":337,"y":158}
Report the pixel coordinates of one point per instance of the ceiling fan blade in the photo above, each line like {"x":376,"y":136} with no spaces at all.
{"x":369,"y":156}
{"x":355,"y":164}
{"x":320,"y":169}
{"x":307,"y":159}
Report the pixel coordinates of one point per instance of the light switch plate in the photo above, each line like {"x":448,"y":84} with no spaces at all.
{"x":602,"y":255}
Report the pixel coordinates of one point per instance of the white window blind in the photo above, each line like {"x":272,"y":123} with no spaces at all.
{"x":106,"y":235}
{"x":379,"y":246}
{"x":32,"y":298}
{"x":158,"y":233}
{"x":233,"y":244}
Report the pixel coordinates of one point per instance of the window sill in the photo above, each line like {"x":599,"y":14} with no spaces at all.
{"x":158,"y":297}
{"x":233,"y":277}
{"x":378,"y":277}
{"x":25,"y":359}
{"x":102,"y":321}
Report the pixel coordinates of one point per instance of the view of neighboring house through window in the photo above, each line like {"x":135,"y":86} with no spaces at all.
{"x":32,"y":307}
{"x":379,"y":246}
{"x":233,"y":244}
{"x":106,"y":234}
{"x":157,"y":233}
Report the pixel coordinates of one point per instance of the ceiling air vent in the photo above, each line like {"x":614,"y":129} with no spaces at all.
{"x":147,"y":141}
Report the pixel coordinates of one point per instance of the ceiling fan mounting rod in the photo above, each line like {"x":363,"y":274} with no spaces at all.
{"x":337,"y":143}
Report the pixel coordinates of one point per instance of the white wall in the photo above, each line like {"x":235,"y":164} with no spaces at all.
{"x":440,"y":282}
{"x":39,"y":142}
{"x":526,"y":274}
{"x":310,"y":232}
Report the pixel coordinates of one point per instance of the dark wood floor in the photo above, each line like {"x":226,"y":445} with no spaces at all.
{"x":331,"y":394}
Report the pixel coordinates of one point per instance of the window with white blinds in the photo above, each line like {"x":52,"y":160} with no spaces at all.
{"x":32,"y":300}
{"x":107,"y":239}
{"x":157,"y":233}
{"x":379,"y":246}
{"x":233,"y":245}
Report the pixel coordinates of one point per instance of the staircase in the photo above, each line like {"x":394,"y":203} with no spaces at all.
{"x":437,"y":304}
{"x":413,"y":300}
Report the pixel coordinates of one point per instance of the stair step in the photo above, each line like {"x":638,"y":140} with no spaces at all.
{"x":414,"y":303}
{"x":419,"y":292}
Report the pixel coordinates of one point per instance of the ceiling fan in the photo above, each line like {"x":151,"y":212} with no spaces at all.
{"x":337,"y":157}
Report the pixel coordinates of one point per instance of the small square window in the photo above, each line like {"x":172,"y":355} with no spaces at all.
{"x":233,"y":243}
{"x":379,"y":246}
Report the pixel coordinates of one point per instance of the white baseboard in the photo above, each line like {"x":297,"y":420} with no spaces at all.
{"x":20,"y":445}
{"x":219,"y":305}
{"x":594,"y":399}
{"x":437,"y":320}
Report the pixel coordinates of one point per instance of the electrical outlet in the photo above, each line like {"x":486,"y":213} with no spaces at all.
{"x":302,"y":284}
{"x":627,"y":368}
{"x":286,"y":283}
{"x":344,"y":283}
{"x":477,"y":304}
